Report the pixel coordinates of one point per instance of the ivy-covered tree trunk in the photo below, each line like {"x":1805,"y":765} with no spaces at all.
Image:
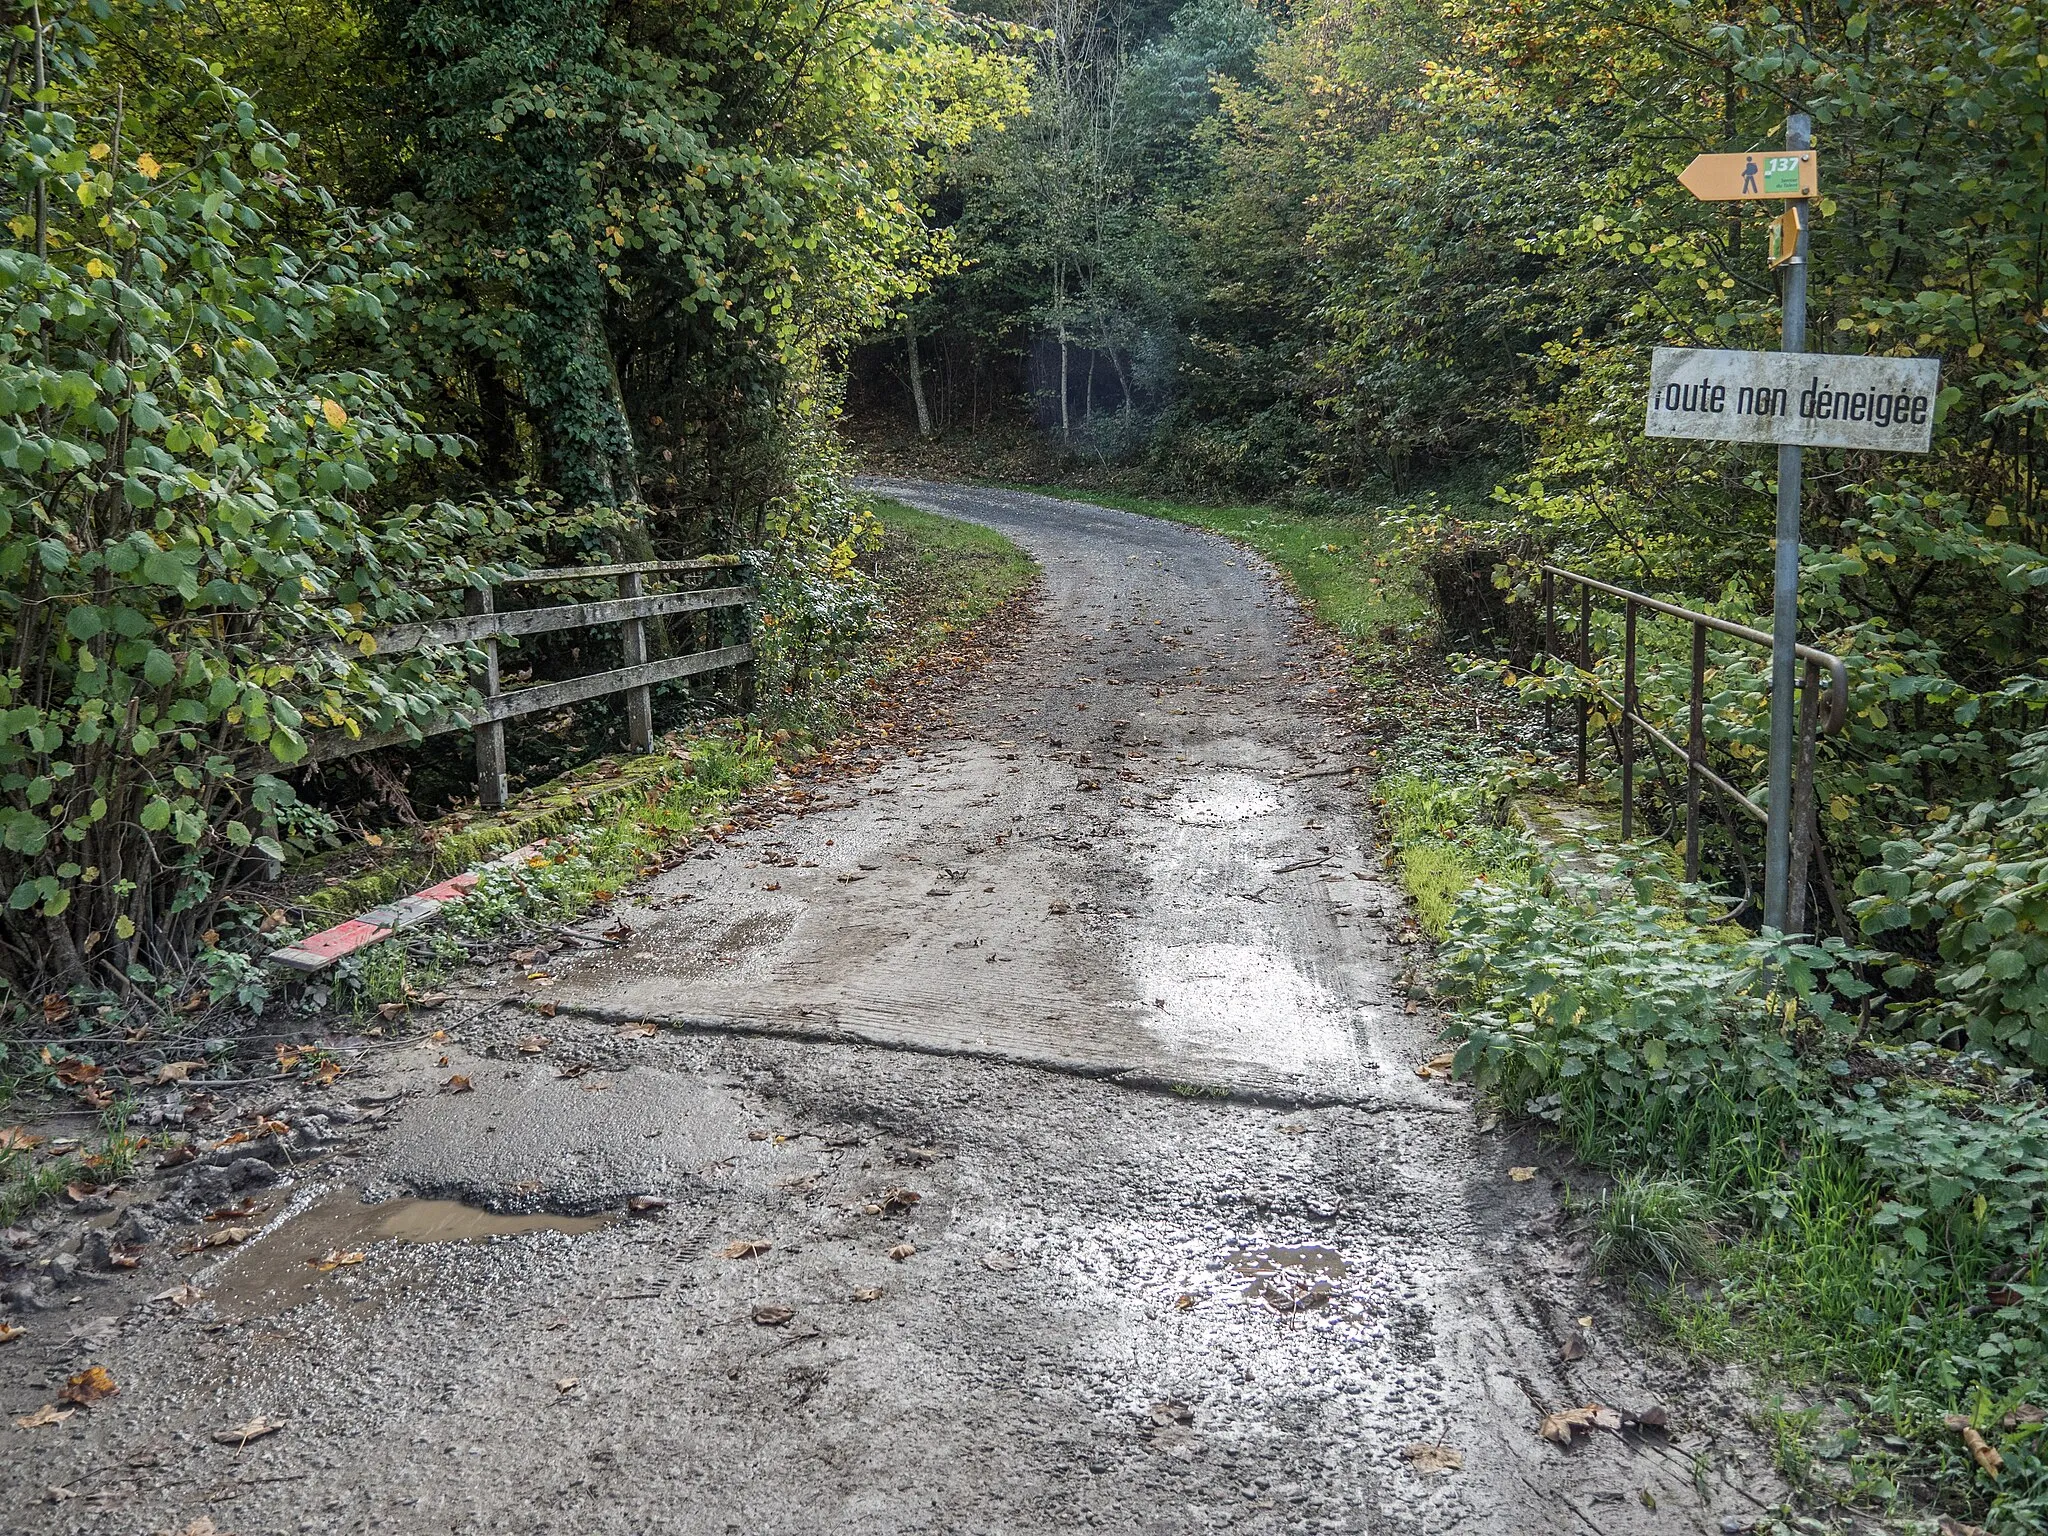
{"x":520,"y":100}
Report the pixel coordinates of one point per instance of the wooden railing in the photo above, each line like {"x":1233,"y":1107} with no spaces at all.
{"x":1807,"y":850}
{"x":631,"y":609}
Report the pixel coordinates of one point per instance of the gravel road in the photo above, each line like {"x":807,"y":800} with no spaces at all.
{"x":1033,"y":1143}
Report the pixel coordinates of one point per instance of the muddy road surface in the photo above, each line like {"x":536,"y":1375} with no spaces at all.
{"x":1029,"y":1140}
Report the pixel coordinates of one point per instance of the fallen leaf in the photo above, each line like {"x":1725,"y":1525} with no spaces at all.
{"x":772,"y":1316}
{"x":901,"y":1252}
{"x":2025,"y":1413}
{"x":565,"y":1384}
{"x":896,"y":1201}
{"x":239,"y":1435}
{"x":49,"y":1413}
{"x":745,"y":1248}
{"x":639,"y":1031}
{"x":389,"y":1011}
{"x":178,"y":1156}
{"x":78,"y":1190}
{"x":176,"y":1071}
{"x":1657,"y":1416}
{"x":999,"y":1261}
{"x":124,"y":1255}
{"x":757,"y":1134}
{"x":338,"y":1259}
{"x":1438,"y":1065}
{"x":868,"y":1293}
{"x":55,"y":1009}
{"x":179,"y":1295}
{"x":9,"y":1333}
{"x":646,"y":1205}
{"x":225,"y":1237}
{"x":88,"y":1386}
{"x":1521,"y":1175}
{"x":1561,"y":1426}
{"x":458,"y":1084}
{"x":72,"y":1071}
{"x":1426,"y":1457}
{"x":1184,"y":1302}
{"x":326,"y":1074}
{"x":15,"y":1138}
{"x":1171,"y":1411}
{"x":1984,"y":1451}
{"x":1950,"y":1526}
{"x":1573,"y":1348}
{"x":430,"y":1000}
{"x":546,"y":1011}
{"x":248,"y":1205}
{"x":524,"y":956}
{"x":532,"y":1045}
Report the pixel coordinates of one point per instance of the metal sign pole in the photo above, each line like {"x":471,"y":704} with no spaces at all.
{"x":1785,"y":585}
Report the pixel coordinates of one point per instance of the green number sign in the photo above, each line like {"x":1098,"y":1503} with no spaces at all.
{"x":1781,"y":174}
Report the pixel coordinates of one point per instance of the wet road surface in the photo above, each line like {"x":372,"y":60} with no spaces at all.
{"x":1035,"y":1146}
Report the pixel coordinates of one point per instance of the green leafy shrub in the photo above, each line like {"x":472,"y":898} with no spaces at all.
{"x":193,"y":540}
{"x":1978,"y":884}
{"x":1605,"y":1006}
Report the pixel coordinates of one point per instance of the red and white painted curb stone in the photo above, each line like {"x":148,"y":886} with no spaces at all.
{"x":317,"y":951}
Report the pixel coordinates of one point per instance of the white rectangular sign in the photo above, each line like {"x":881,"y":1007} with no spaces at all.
{"x":1814,"y":398}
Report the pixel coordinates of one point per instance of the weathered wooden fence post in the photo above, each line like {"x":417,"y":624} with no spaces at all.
{"x":639,"y":701}
{"x":491,"y":788}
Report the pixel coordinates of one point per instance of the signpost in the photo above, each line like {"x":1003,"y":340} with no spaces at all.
{"x":1813,"y":399}
{"x":1794,"y":400}
{"x":1748,"y":178}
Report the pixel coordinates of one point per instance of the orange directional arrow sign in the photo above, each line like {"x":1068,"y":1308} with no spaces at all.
{"x":1752,"y":177}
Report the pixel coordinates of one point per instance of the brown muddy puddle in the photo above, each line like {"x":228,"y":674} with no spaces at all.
{"x":330,"y":1245}
{"x":1290,"y":1278}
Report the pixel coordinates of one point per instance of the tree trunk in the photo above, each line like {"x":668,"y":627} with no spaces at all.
{"x":924,"y":415}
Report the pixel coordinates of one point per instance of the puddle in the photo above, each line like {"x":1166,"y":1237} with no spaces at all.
{"x":1242,"y":1001}
{"x":1222,"y":799}
{"x":1292,"y":1277}
{"x":281,"y":1267}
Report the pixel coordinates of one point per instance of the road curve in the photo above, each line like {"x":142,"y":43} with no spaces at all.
{"x":924,"y":1265}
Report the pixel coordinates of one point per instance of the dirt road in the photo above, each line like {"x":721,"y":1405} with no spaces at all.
{"x":1040,"y":1147}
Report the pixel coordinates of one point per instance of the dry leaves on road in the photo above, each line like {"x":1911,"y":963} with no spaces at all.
{"x":458,"y":1084}
{"x":1521,"y":1175}
{"x":1561,"y":1427}
{"x":176,"y":1071}
{"x":1985,"y":1453}
{"x":48,"y":1414}
{"x":201,"y":1525}
{"x":179,"y":1295}
{"x":772,"y":1316}
{"x":9,"y":1333}
{"x":1171,"y":1411}
{"x":646,"y":1205}
{"x":338,"y":1259}
{"x":224,"y":1237}
{"x":1427,"y":1456}
{"x":641,"y":1030}
{"x":745,"y":1248}
{"x":15,"y":1138}
{"x":239,"y":1435}
{"x":901,"y":1252}
{"x":533,"y":1045}
{"x":564,"y":1385}
{"x":868,"y":1293}
{"x":88,"y":1386}
{"x":999,"y":1261}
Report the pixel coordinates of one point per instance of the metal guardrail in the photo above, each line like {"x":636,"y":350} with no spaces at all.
{"x":1806,"y":846}
{"x":636,"y":679}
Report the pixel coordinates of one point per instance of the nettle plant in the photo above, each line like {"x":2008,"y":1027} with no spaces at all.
{"x":1976,"y":884}
{"x":196,"y":525}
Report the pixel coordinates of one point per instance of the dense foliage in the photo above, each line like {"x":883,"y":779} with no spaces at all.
{"x":576,"y":300}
